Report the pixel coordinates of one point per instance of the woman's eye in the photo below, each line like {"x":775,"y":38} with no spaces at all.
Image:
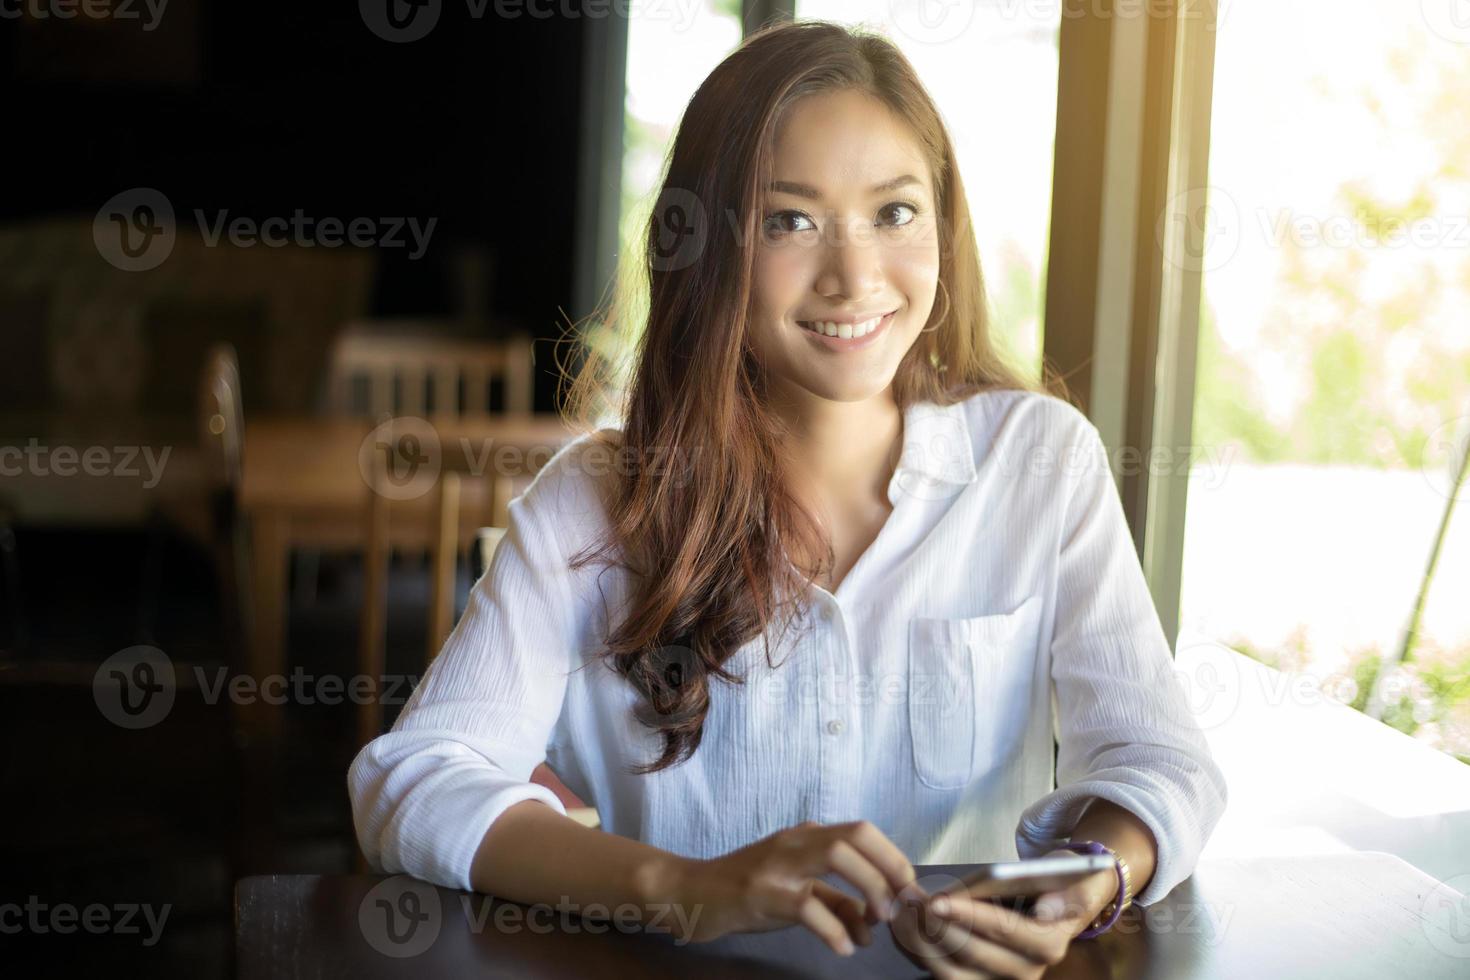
{"x":893,"y":215}
{"x":896,"y":211}
{"x":786,"y":222}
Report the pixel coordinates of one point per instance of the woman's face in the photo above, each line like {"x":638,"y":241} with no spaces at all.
{"x":848,"y":245}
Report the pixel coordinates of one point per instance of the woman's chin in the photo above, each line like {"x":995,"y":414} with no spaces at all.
{"x":847,"y":389}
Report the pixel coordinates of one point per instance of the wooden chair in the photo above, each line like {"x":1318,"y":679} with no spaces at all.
{"x":411,"y":368}
{"x":415,"y":371}
{"x":205,"y":510}
{"x":221,"y":414}
{"x":222,"y":435}
{"x":444,"y":546}
{"x":444,"y":536}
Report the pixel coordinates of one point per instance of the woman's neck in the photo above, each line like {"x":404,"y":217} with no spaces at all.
{"x":842,"y":451}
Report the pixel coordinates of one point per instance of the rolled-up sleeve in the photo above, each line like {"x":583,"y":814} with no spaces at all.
{"x":463,"y":749}
{"x":1126,"y":733}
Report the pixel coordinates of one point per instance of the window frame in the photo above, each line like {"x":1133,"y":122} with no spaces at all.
{"x":1121,"y":317}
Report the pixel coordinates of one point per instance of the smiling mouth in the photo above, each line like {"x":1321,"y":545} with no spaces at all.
{"x":844,"y":331}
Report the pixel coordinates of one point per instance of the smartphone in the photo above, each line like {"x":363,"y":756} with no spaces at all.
{"x":1017,"y":884}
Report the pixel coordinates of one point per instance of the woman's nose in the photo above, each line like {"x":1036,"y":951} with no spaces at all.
{"x":852,"y":265}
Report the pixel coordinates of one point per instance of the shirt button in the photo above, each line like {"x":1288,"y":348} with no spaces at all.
{"x":835,"y":726}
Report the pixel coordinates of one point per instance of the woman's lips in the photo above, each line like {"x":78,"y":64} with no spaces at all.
{"x":849,"y":343}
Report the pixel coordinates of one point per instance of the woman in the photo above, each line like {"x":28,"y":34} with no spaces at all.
{"x":799,"y":617}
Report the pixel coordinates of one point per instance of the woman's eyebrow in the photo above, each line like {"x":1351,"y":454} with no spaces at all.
{"x":811,"y":193}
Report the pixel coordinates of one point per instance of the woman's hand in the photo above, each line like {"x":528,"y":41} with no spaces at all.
{"x":1076,"y":906}
{"x":954,"y":936}
{"x":775,"y":882}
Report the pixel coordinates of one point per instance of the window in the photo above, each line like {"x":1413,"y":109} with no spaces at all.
{"x":1333,"y":384}
{"x":672,"y":48}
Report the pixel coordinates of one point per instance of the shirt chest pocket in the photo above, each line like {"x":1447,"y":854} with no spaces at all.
{"x":957,"y":669}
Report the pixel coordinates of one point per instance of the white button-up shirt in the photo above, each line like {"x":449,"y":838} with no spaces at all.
{"x":1001,"y":604}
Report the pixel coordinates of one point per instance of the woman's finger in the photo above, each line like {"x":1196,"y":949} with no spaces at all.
{"x":921,"y":939}
{"x":1039,"y":942}
{"x":853,"y":865}
{"x":885,"y":855}
{"x":850,"y":910}
{"x":974,"y":952}
{"x":1083,"y":900}
{"x":816,"y":916}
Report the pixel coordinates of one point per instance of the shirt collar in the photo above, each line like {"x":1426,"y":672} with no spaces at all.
{"x":937,"y":447}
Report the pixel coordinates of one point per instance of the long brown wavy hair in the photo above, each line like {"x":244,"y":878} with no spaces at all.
{"x":716,"y":542}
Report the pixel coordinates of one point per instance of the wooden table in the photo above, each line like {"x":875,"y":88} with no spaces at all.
{"x":1366,"y":915}
{"x":304,"y":483}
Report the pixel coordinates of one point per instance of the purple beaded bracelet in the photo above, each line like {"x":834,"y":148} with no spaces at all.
{"x":1123,"y":899}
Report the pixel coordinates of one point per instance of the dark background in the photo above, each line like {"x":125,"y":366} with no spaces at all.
{"x":260,"y":110}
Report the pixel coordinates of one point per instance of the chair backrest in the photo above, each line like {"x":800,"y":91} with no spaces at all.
{"x":372,"y":640}
{"x":443,"y":563}
{"x":487,"y":539}
{"x":416,"y":372}
{"x":444,"y":551}
{"x":221,"y":415}
{"x":443,"y":548}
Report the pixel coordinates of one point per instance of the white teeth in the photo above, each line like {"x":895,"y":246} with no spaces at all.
{"x":846,"y":331}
